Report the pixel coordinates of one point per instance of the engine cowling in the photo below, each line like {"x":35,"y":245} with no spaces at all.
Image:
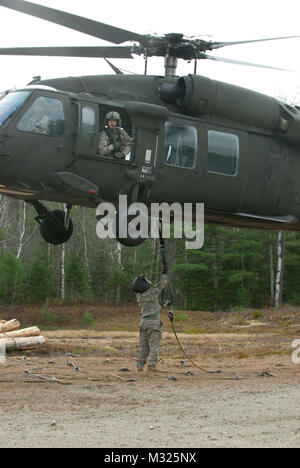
{"x":198,"y":95}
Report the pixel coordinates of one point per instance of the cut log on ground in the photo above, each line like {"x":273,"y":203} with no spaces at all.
{"x":24,"y":333}
{"x":11,"y":325}
{"x":12,"y":344}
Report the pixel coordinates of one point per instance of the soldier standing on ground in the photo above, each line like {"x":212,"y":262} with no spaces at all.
{"x":151,"y":326}
{"x":113,"y":140}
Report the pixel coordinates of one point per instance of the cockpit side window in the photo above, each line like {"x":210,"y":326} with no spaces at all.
{"x":180,"y":145}
{"x":45,"y":116}
{"x":10,"y":103}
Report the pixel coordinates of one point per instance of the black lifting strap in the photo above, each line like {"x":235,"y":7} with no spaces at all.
{"x":170,"y":302}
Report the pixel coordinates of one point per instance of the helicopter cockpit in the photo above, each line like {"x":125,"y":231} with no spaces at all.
{"x":58,"y":132}
{"x":54,"y":114}
{"x":46,"y":133}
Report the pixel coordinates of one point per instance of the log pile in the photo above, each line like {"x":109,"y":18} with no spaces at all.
{"x":15,"y":338}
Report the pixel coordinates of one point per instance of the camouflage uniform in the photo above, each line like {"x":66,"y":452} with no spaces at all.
{"x":151,"y":326}
{"x":109,"y":136}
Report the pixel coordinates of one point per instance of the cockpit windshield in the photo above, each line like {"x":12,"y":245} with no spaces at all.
{"x":10,"y":103}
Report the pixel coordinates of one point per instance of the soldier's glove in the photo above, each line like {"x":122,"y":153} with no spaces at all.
{"x":117,"y":147}
{"x":171,"y":316}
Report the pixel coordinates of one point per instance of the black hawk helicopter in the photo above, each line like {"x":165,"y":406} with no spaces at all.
{"x":193,"y":139}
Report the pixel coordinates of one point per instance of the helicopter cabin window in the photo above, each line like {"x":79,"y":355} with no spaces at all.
{"x":223,"y":153}
{"x":45,"y":116}
{"x":9,"y":104}
{"x":88,"y":127}
{"x":180,"y":145}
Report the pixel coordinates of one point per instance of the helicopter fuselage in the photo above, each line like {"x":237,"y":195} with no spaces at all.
{"x":183,"y":150}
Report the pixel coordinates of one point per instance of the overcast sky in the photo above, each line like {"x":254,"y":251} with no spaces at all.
{"x":218,"y":20}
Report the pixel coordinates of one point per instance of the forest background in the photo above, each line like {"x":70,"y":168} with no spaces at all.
{"x":236,"y":268}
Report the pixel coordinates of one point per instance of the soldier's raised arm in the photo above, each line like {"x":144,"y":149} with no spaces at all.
{"x":160,"y":285}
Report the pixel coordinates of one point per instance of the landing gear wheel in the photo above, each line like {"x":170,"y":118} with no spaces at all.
{"x":54,"y":233}
{"x":128,"y":241}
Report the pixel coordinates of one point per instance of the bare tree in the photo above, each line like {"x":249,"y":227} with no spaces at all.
{"x":280,"y":268}
{"x":22,"y":227}
{"x":62,"y":271}
{"x":119,"y":263}
{"x":272,"y":276}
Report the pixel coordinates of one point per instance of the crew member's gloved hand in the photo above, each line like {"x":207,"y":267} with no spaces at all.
{"x":119,"y":155}
{"x":117,"y":146}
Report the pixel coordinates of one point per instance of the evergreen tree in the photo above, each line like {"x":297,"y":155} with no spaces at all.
{"x":12,"y":279}
{"x":235,"y":268}
{"x":77,"y":286}
{"x":40,"y":283}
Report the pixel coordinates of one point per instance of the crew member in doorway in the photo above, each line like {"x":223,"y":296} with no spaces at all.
{"x":151,"y":326}
{"x":113,"y":140}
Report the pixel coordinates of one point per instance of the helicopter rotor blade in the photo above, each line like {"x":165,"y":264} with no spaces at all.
{"x":218,"y":45}
{"x":238,"y":62}
{"x":100,"y":52}
{"x":84,"y":25}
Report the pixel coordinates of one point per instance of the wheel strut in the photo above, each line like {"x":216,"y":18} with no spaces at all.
{"x":56,"y":226}
{"x":45,"y":214}
{"x":67,"y":216}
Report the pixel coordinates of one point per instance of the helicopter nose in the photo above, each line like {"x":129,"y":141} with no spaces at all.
{"x":2,"y":138}
{"x":5,"y":158}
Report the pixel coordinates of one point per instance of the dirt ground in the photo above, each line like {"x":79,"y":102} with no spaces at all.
{"x":99,"y":400}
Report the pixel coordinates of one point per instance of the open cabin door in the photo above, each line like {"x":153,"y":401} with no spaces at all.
{"x":106,"y":171}
{"x":133,"y":175}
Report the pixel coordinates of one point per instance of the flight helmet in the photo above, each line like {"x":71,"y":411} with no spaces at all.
{"x":115,"y":116}
{"x":141,"y":284}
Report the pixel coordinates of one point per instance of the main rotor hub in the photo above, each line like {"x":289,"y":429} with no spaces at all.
{"x":174,"y":38}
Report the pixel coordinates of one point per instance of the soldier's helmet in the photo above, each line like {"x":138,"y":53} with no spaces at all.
{"x":141,"y":284}
{"x":113,"y":116}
